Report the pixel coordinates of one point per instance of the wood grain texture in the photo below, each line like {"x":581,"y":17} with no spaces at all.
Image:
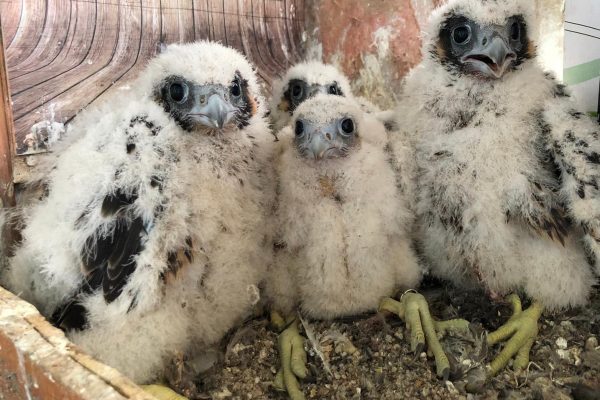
{"x":64,"y":54}
{"x":38,"y":362}
{"x":7,"y":196}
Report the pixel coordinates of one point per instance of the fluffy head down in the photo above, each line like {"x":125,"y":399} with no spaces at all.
{"x":490,"y":33}
{"x":327,"y":126}
{"x":203,"y":84}
{"x":324,"y":109}
{"x":301,"y":82}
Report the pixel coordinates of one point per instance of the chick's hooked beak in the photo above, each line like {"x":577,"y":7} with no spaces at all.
{"x":212,"y":108}
{"x":492,"y":55}
{"x":331,"y":140}
{"x":320,"y":143}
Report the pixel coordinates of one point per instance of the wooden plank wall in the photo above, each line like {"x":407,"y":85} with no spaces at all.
{"x":38,"y":362}
{"x":64,"y":54}
{"x":7,"y":195}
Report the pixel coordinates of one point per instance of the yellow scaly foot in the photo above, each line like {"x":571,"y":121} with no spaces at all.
{"x":414,"y":311}
{"x":522,"y":329}
{"x":292,"y":356}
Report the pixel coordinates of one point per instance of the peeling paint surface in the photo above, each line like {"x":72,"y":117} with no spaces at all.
{"x":376,"y":43}
{"x":372,"y":42}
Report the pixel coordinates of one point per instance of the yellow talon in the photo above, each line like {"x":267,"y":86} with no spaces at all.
{"x":277,"y":321}
{"x":414,"y":310}
{"x":522,"y":329}
{"x":292,"y":356}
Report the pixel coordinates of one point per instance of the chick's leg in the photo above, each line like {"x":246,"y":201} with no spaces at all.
{"x":162,"y":392}
{"x":414,"y":311}
{"x":292,"y":356}
{"x":522,"y":329}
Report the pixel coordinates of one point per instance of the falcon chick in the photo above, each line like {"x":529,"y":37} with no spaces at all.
{"x":344,"y":228}
{"x":150,"y":240}
{"x":509,"y":170}
{"x":303,"y":81}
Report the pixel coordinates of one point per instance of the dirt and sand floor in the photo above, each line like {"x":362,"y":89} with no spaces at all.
{"x":564,"y":364}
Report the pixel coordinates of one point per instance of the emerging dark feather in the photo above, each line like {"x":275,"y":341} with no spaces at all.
{"x":178,"y":259}
{"x":112,"y":204}
{"x":107,"y":259}
{"x":545,"y":217}
{"x":121,"y":262}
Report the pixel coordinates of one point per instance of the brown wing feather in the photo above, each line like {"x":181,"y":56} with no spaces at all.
{"x":544,"y":216}
{"x":107,"y":259}
{"x":179,"y":259}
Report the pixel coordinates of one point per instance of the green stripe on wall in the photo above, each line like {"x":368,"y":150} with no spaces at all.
{"x":582,"y":72}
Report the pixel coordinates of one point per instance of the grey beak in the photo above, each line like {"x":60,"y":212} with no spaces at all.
{"x":491,"y":59}
{"x":321,"y":142}
{"x":216,"y":113}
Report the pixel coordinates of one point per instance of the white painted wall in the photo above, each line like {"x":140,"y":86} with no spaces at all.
{"x":550,"y":13}
{"x":582,"y":50}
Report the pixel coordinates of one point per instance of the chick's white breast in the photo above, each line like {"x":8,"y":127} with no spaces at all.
{"x":345,"y":227}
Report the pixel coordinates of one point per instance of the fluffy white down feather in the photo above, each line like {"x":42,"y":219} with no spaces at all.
{"x":339,"y":256}
{"x":482,"y":151}
{"x":313,"y":73}
{"x":215,"y":191}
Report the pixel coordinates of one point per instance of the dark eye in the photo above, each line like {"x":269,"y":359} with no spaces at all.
{"x":297,"y":91}
{"x":347,"y":126}
{"x":299,"y":128}
{"x":515,"y":31}
{"x":462,"y":34}
{"x":178,"y":92}
{"x":235,"y":89}
{"x":333,"y":89}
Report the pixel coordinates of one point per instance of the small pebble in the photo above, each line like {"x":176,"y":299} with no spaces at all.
{"x":568,"y":325}
{"x":561,"y":343}
{"x":451,"y":388}
{"x":224,"y":394}
{"x":399,"y":335}
{"x":591,"y":343}
{"x":563,"y":354}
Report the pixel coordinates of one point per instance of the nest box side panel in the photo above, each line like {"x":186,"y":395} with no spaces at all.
{"x":62,"y":55}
